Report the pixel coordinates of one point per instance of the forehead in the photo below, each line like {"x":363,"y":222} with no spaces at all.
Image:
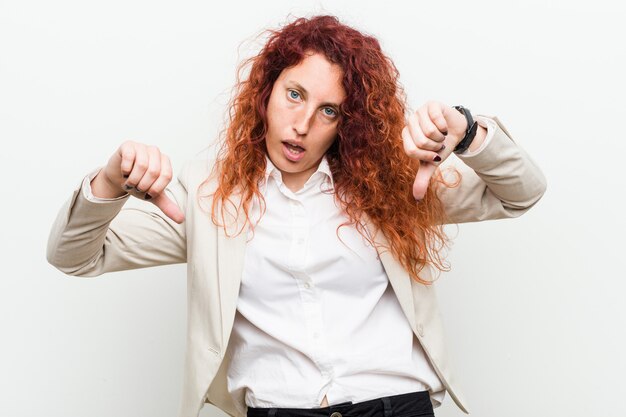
{"x":320,"y":78}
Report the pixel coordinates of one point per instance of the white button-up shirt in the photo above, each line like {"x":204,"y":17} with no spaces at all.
{"x":316,"y":316}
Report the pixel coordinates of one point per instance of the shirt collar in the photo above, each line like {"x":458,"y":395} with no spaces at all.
{"x":323,"y":169}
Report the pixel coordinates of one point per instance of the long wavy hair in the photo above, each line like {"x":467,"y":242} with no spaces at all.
{"x":372,"y":174}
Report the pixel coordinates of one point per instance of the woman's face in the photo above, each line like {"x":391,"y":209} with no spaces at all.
{"x":303,"y":110}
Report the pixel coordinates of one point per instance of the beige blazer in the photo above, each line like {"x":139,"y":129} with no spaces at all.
{"x":89,"y":239}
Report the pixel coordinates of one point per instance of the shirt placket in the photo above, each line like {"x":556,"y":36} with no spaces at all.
{"x":309,"y":295}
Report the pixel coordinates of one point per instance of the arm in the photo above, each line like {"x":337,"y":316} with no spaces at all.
{"x":92,"y":236}
{"x":499,"y":179}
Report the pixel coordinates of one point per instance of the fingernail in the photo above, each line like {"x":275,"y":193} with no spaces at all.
{"x":437,"y":158}
{"x":442,"y":148}
{"x":417,"y":200}
{"x":445,"y":133}
{"x":128,"y":187}
{"x":147,"y":196}
{"x":138,"y":190}
{"x":125,"y":176}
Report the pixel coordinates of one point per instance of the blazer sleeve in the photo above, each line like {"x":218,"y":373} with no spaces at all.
{"x":89,"y":238}
{"x":499,"y":181}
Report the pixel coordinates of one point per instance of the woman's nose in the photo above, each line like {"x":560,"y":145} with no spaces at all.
{"x":303,"y":120}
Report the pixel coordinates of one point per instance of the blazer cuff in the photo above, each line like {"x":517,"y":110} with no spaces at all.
{"x":489,"y":155}
{"x":88,"y":194}
{"x":87,"y":204}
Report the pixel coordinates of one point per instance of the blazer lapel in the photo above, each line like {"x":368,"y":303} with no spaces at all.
{"x":230,"y":258}
{"x":398,"y":277}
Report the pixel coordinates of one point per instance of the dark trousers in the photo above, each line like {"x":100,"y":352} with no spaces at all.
{"x":402,"y":405}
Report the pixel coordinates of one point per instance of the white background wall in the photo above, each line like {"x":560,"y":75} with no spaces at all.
{"x":77,"y":78}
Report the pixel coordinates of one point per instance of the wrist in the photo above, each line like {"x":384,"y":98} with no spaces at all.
{"x":102,"y":187}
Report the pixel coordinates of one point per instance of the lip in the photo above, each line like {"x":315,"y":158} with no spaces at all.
{"x":294,"y":142}
{"x":290,"y":156}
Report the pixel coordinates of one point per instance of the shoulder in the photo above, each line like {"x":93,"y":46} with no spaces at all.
{"x":197,"y":172}
{"x":198,"y":168}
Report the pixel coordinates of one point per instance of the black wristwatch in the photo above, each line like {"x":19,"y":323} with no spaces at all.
{"x":470,"y":133}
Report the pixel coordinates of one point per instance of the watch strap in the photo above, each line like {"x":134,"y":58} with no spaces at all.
{"x":470,"y":133}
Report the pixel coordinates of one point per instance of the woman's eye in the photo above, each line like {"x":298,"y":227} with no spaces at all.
{"x":332,"y":112}
{"x":292,"y":92}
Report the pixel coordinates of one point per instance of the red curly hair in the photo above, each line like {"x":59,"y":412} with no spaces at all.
{"x":372,"y":174}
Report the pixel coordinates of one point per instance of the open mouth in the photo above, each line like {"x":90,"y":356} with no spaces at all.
{"x":293,"y":152}
{"x":294,"y":148}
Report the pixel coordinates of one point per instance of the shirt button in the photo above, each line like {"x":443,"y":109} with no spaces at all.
{"x":336,"y":414}
{"x":307,"y":285}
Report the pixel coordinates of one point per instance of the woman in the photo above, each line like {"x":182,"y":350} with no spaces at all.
{"x":311,"y":238}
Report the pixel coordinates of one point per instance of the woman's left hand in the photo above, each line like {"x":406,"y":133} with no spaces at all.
{"x":431,"y":134}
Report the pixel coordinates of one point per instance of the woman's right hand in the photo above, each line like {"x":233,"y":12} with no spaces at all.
{"x":143,"y":172}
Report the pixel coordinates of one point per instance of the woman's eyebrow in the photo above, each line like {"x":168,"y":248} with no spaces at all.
{"x":301,"y":88}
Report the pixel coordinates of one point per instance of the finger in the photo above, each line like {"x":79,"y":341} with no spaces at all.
{"x":422,"y":179}
{"x":420,"y":139}
{"x":429,"y":129}
{"x":168,"y":207}
{"x":153,"y":171}
{"x":127,"y":154}
{"x":164,"y":178}
{"x":412,"y":150}
{"x":140,"y":165}
{"x":435,"y":114}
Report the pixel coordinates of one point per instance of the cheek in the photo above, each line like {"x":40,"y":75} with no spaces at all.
{"x":332,"y":137}
{"x":274,"y":121}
